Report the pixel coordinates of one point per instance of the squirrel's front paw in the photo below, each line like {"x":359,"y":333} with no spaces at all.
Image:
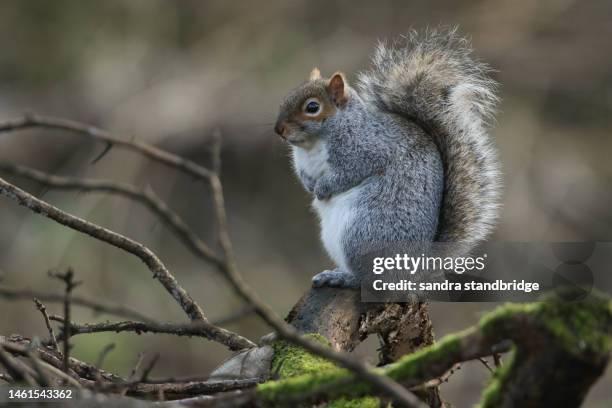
{"x":335,"y":279}
{"x":322,"y":193}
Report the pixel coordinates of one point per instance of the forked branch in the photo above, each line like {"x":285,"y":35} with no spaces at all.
{"x":155,"y":265}
{"x":145,"y":197}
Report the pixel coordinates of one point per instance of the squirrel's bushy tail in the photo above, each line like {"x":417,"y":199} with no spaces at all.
{"x":432,"y":79}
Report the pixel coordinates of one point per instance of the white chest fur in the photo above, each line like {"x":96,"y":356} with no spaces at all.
{"x":335,"y":214}
{"x":311,"y":162}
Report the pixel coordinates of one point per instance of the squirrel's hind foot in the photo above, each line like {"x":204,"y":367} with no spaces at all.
{"x":335,"y":279}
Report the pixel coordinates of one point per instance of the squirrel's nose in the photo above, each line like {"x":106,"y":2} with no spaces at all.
{"x":280,"y":128}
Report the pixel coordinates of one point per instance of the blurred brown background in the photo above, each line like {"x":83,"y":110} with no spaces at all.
{"x":171,"y":72}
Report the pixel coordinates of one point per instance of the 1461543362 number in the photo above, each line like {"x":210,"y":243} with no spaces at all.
{"x":39,"y":394}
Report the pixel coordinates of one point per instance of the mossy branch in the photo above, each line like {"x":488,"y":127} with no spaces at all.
{"x":573,"y":339}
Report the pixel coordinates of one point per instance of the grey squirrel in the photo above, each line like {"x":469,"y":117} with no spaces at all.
{"x":405,"y":157}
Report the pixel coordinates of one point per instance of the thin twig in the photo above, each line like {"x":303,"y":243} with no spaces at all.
{"x":41,"y":377}
{"x":147,"y":370}
{"x":437,"y":381}
{"x":70,"y":284}
{"x":43,"y":310}
{"x":195,"y":328}
{"x":182,"y":389}
{"x":215,"y":150}
{"x":150,"y":151}
{"x":143,"y":196}
{"x":159,"y":270}
{"x":79,"y":370}
{"x":59,"y":373}
{"x":136,"y":366}
{"x":486,"y":364}
{"x":97,"y":307}
{"x":497,"y":359}
{"x":30,"y":350}
{"x":16,"y":370}
{"x":103,"y":353}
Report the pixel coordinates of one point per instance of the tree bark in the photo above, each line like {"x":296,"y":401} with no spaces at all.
{"x":341,"y":317}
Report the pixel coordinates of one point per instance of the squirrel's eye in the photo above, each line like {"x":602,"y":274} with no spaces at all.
{"x":312,"y":107}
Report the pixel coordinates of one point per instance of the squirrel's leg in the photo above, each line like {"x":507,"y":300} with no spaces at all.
{"x":346,"y":174}
{"x":336,"y":278}
{"x":335,"y":183}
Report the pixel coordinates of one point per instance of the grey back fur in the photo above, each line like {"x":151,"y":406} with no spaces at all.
{"x":432,"y":79}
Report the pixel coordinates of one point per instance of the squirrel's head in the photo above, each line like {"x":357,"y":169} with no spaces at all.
{"x":308,"y":106}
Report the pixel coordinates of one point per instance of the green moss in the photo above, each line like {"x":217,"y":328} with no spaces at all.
{"x":342,"y":380}
{"x":575,"y":327}
{"x":411,"y":365}
{"x":300,"y":370}
{"x":491,"y":396}
{"x":272,"y":390}
{"x":500,"y":318}
{"x":580,"y":325}
{"x":365,"y":402}
{"x":290,"y":360}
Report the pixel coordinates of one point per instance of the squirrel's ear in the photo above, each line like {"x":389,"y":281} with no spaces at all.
{"x":315,"y":74}
{"x":337,"y":89}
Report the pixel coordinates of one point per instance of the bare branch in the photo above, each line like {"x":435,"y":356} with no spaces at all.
{"x":195,"y":328}
{"x":215,"y":149}
{"x":98,"y":307}
{"x":174,"y":390}
{"x":43,"y":310}
{"x":41,"y":376}
{"x":147,"y":370}
{"x":86,"y":375}
{"x":150,"y":151}
{"x":107,"y":349}
{"x":60,"y":374}
{"x":68,"y":279}
{"x":136,"y":366}
{"x":159,"y":270}
{"x":437,"y":381}
{"x":486,"y":364}
{"x":33,"y":352}
{"x":78,"y":369}
{"x":16,"y":370}
{"x":145,"y":197}
{"x":497,"y":359}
